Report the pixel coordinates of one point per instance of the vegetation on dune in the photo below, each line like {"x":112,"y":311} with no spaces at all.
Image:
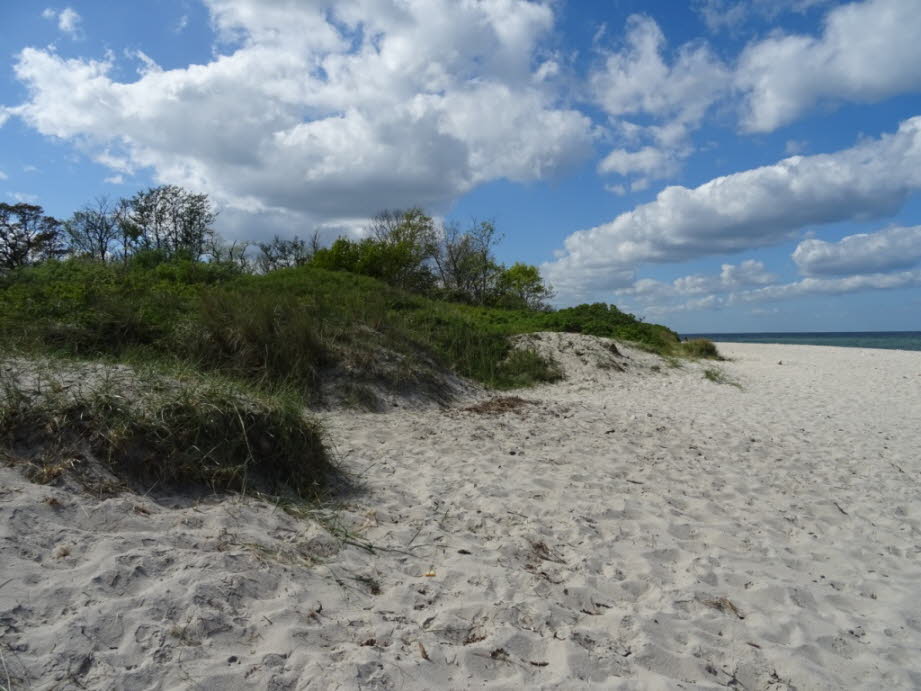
{"x":153,"y":430}
{"x":146,"y":280}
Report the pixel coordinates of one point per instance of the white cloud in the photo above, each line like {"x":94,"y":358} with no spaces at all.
{"x":749,"y":273}
{"x":731,"y":277}
{"x":732,"y":14}
{"x":752,"y":208}
{"x":115,"y":180}
{"x":794,"y":146}
{"x":4,"y":176}
{"x":786,"y":291}
{"x":23,"y":197}
{"x":68,"y":20}
{"x":832,"y":286}
{"x":648,"y":161}
{"x":638,"y":82}
{"x":181,"y":24}
{"x":885,"y":250}
{"x":327,"y":110}
{"x":868,"y":51}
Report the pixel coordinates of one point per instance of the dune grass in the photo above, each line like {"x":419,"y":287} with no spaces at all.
{"x":717,"y":376}
{"x":700,"y":348}
{"x":151,"y":430}
{"x":283,"y":330}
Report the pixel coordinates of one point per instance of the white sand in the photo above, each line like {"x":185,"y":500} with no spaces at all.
{"x":637,"y":529}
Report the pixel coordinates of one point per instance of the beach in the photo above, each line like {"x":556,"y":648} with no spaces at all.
{"x":646,"y":523}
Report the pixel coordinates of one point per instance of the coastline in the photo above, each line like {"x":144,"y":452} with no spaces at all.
{"x":877,"y":340}
{"x":636,"y":526}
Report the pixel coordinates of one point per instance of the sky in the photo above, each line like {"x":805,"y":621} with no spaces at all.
{"x":715,"y":165}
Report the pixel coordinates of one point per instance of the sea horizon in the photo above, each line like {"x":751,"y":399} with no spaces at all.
{"x":886,"y":340}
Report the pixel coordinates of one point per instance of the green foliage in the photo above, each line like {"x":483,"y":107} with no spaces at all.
{"x":27,"y":236}
{"x":525,"y":367}
{"x":700,"y":348}
{"x":394,"y":263}
{"x":259,"y":336}
{"x":398,"y":252}
{"x":168,"y":219}
{"x":521,"y":286}
{"x":88,"y":308}
{"x":284,"y":328}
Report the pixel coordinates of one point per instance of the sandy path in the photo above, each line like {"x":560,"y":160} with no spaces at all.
{"x":637,"y":529}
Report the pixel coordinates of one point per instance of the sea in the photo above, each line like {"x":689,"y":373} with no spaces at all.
{"x":890,"y":340}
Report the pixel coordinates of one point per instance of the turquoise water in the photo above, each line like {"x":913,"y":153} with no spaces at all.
{"x":891,"y":340}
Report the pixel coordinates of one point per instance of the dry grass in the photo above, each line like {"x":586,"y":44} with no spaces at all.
{"x":114,"y":427}
{"x":500,"y":405}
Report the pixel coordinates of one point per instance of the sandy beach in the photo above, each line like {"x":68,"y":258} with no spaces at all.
{"x":637,"y":526}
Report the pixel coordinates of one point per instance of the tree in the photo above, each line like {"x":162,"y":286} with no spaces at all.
{"x":466,"y":265}
{"x":281,"y":253}
{"x":409,"y":241}
{"x":399,"y":250}
{"x":168,"y":219}
{"x":232,"y":253}
{"x":27,"y":235}
{"x":522,"y":286}
{"x":93,"y":230}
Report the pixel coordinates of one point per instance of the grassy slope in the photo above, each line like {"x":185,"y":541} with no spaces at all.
{"x":282,"y":328}
{"x":253,"y":349}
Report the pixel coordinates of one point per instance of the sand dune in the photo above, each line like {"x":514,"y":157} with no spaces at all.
{"x":638,"y":526}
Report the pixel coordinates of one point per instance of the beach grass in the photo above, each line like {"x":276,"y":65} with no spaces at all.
{"x":283,"y":330}
{"x":146,"y":429}
{"x":717,"y":376}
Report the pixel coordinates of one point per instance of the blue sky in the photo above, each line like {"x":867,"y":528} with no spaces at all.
{"x":718,"y":165}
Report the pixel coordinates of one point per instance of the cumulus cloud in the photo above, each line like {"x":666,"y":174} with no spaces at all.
{"x":832,"y":286}
{"x":68,"y":20}
{"x":732,"y":14}
{"x":732,"y":277}
{"x":659,"y":306}
{"x":638,"y":82}
{"x":649,"y":161}
{"x":749,"y":209}
{"x":868,"y":51}
{"x":328,"y":110}
{"x":885,"y":250}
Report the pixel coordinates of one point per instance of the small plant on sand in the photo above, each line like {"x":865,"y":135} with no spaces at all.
{"x":719,"y":377}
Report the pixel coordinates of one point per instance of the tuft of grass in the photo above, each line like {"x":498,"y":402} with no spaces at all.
{"x":717,"y":376}
{"x":173,"y":433}
{"x":700,"y":348}
{"x":261,"y":337}
{"x":525,"y":367}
